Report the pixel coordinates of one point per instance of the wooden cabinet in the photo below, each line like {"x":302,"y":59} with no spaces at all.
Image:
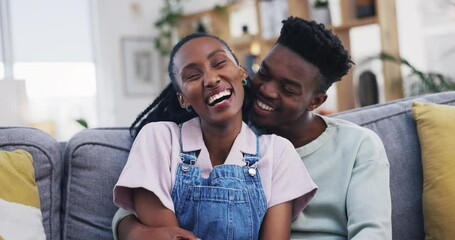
{"x":385,"y":17}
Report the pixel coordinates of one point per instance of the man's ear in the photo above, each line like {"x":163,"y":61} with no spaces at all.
{"x":182,"y":101}
{"x":317,"y":101}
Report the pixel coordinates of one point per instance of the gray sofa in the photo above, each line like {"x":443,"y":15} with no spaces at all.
{"x":75,"y":179}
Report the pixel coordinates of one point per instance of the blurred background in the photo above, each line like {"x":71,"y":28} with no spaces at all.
{"x":68,"y":65}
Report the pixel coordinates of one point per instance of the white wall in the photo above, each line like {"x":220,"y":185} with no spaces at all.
{"x":13,"y":103}
{"x":427,"y":33}
{"x":113,"y":20}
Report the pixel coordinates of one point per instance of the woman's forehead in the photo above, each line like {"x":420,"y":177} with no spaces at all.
{"x":200,"y":46}
{"x":199,"y":49}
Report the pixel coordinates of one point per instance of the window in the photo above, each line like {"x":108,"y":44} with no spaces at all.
{"x":52,"y":50}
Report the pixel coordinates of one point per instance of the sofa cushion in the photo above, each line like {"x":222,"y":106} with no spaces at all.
{"x":19,"y":197}
{"x":47,"y":156}
{"x":395,"y":125}
{"x":94,"y":159}
{"x":436,"y":129}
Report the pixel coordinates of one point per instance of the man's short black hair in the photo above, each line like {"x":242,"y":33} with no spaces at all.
{"x":317,"y":45}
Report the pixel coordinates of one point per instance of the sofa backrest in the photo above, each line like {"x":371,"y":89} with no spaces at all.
{"x":395,"y":125}
{"x":94,"y":159}
{"x":47,"y":161}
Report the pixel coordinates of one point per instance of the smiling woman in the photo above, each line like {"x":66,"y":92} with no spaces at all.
{"x":201,"y":167}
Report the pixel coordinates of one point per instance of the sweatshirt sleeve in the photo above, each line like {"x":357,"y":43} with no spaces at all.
{"x":368,"y":201}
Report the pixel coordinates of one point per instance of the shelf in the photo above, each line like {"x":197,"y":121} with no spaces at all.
{"x":356,"y":23}
{"x":385,"y":17}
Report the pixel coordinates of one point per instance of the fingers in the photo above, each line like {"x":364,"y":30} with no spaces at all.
{"x":183,"y":234}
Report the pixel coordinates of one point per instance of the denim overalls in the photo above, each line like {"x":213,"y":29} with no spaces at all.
{"x":229,"y":204}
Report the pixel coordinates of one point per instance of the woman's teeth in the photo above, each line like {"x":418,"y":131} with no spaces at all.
{"x":219,"y":97}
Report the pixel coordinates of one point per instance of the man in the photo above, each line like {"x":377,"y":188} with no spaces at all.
{"x":347,"y":162}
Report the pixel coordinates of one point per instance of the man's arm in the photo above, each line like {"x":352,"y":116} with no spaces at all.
{"x":120,"y":231}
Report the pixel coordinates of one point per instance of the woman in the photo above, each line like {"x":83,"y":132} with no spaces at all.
{"x":210,"y":174}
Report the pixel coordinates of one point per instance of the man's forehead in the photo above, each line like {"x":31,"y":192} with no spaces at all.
{"x":282,"y":61}
{"x":283,"y":54}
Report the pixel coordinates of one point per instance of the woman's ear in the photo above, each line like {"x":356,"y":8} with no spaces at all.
{"x":317,"y":100}
{"x":182,"y":101}
{"x":243,"y":72}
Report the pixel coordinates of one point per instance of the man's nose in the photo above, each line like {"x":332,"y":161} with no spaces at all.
{"x":269,"y":89}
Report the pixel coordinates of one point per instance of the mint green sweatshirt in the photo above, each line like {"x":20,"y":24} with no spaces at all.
{"x":349,"y":165}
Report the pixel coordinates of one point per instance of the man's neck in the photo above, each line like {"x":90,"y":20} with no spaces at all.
{"x":302,"y":131}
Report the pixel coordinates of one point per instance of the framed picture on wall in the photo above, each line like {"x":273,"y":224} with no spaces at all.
{"x":141,"y":66}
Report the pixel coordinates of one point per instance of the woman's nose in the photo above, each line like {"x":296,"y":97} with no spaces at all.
{"x":212,"y":79}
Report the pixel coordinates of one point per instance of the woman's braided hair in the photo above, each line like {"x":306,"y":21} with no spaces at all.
{"x":166,"y":106}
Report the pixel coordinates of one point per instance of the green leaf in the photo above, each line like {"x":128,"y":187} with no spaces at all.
{"x":82,"y":122}
{"x":427,"y":82}
{"x":321,"y":3}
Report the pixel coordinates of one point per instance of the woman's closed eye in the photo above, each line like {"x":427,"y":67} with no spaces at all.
{"x":219,"y":64}
{"x":192,"y":76}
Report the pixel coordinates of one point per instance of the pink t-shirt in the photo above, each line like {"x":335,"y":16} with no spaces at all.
{"x":154,"y":157}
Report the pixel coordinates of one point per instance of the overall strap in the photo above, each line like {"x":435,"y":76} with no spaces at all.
{"x":188,"y":158}
{"x":251,"y":160}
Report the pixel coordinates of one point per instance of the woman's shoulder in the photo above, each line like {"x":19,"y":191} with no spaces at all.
{"x":160,"y":125}
{"x":275,"y":142}
{"x":158,"y":129}
{"x":270,"y":139}
{"x":273,"y":139}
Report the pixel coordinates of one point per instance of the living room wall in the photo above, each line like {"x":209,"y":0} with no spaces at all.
{"x":426,"y":34}
{"x":112,"y":21}
{"x":417,"y":26}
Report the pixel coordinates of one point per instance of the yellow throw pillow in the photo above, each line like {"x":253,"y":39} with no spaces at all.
{"x":20,"y":214}
{"x":436,"y":130}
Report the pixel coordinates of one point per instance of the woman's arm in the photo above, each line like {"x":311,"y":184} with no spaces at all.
{"x":277,"y":222}
{"x":155,"y":220}
{"x":150,"y":211}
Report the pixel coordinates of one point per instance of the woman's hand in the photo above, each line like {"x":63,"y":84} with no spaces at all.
{"x":131,"y":229}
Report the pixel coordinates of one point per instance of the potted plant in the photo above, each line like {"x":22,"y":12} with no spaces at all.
{"x":167,"y":25}
{"x":320,"y":11}
{"x":321,"y":4}
{"x":419,"y":82}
